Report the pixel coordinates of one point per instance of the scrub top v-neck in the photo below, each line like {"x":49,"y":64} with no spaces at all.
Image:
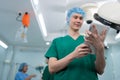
{"x":80,"y":68}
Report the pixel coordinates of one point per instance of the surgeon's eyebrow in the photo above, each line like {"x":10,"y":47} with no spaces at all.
{"x":76,"y":16}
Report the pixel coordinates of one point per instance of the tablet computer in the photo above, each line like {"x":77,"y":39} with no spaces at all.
{"x":100,"y":27}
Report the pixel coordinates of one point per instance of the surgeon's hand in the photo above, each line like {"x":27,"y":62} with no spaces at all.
{"x":103,"y":34}
{"x":30,"y":77}
{"x":81,"y":51}
{"x":33,"y":75}
{"x":95,"y":39}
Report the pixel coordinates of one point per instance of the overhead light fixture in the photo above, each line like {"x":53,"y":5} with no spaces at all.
{"x":3,"y":44}
{"x":36,"y":2}
{"x":43,"y":28}
{"x":47,"y":43}
{"x":39,"y":17}
{"x":117,"y":36}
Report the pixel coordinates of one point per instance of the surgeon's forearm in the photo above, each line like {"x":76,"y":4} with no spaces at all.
{"x":100,"y":61}
{"x":29,"y":77}
{"x":57,"y":65}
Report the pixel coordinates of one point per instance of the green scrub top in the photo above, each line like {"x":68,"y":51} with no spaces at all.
{"x":80,"y":68}
{"x":46,"y":75}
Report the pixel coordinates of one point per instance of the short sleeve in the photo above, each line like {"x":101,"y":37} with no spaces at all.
{"x":18,"y":77}
{"x":52,"y":51}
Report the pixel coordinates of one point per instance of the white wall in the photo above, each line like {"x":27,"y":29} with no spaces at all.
{"x":116,"y":61}
{"x":8,"y":63}
{"x":108,"y":72}
{"x":112,"y":70}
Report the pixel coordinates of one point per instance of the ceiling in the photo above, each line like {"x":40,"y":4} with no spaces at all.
{"x":54,"y":16}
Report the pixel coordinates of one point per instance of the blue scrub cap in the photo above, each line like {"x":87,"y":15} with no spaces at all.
{"x":74,"y":10}
{"x":22,"y":66}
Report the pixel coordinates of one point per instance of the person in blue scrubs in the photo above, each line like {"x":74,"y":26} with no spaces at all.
{"x":21,"y":74}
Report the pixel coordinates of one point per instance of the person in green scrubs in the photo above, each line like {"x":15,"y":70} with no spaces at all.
{"x":70,"y":57}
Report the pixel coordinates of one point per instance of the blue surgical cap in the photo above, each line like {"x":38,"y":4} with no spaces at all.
{"x":22,"y":66}
{"x":74,"y":10}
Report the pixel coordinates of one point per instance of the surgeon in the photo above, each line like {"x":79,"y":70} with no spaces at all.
{"x":70,"y":57}
{"x":21,"y":74}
